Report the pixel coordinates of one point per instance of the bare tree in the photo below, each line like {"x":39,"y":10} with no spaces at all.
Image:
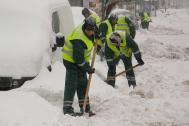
{"x":107,"y":6}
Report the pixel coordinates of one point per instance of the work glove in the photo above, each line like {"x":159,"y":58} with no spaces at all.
{"x":54,"y":48}
{"x":49,"y":68}
{"x":60,"y":41}
{"x":91,"y":70}
{"x":140,"y":61}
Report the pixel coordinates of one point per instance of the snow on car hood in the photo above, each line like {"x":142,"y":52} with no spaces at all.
{"x":22,"y":42}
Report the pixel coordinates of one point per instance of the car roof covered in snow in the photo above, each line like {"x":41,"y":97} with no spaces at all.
{"x":27,"y":18}
{"x":26,"y":32}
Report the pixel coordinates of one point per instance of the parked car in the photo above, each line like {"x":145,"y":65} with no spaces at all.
{"x":28,"y":31}
{"x":128,"y":14}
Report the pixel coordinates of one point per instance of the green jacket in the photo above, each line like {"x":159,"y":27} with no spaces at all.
{"x":80,"y":49}
{"x":146,"y":17}
{"x":105,"y":28}
{"x":131,"y":27}
{"x":122,"y":25}
{"x":128,"y":46}
{"x":97,"y":18}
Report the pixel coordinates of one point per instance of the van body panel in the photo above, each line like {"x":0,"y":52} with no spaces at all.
{"x":27,"y":35}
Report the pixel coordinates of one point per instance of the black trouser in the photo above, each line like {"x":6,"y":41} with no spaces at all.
{"x":145,"y":24}
{"x":111,"y":72}
{"x":76,"y":81}
{"x":129,"y":75}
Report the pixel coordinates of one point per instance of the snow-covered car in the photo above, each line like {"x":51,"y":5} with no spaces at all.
{"x":77,"y":15}
{"x":126,"y":13}
{"x":28,"y":31}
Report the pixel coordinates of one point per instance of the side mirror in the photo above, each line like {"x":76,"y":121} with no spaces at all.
{"x":60,"y":40}
{"x":54,"y":48}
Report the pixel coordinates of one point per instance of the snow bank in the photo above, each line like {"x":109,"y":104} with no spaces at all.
{"x":26,"y":108}
{"x":157,"y":50}
{"x":172,"y":20}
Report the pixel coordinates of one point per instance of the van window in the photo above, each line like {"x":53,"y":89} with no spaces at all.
{"x":55,"y":22}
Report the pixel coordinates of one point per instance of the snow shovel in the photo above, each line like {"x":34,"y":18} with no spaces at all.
{"x":113,"y":77}
{"x":90,"y":77}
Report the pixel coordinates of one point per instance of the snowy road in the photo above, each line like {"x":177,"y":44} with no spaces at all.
{"x":164,"y":79}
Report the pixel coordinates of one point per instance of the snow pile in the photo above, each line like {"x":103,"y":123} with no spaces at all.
{"x":151,"y":49}
{"x":163,"y":80}
{"x":166,"y":30}
{"x":22,"y":108}
{"x":173,"y":21}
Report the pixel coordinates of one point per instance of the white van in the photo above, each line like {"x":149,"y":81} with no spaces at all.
{"x":28,"y":30}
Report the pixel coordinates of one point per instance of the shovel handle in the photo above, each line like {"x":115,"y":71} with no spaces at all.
{"x":113,"y":77}
{"x":90,"y":77}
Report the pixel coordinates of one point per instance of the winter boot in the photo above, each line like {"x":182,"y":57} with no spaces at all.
{"x":133,"y":85}
{"x":111,"y":82}
{"x":91,"y":113}
{"x":70,"y":111}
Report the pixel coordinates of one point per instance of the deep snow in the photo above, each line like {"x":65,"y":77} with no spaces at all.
{"x":164,"y":80}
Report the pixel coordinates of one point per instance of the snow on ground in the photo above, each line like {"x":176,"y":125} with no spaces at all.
{"x":164,"y":79}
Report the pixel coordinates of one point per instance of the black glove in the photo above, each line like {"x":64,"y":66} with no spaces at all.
{"x":91,"y":70}
{"x":49,"y":68}
{"x":60,"y":41}
{"x":54,"y":48}
{"x":140,"y":61}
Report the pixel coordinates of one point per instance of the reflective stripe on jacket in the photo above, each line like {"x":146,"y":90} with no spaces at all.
{"x":122,"y":25}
